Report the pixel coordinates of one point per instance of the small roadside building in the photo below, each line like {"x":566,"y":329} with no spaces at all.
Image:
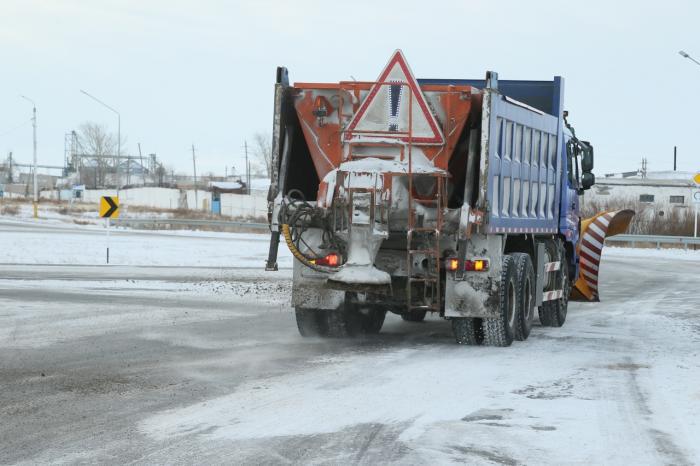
{"x":218,"y":188}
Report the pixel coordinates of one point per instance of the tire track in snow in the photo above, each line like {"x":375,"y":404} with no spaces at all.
{"x":663,"y":442}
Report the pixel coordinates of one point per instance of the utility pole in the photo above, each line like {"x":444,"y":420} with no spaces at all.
{"x":675,"y":154}
{"x":128,"y":170}
{"x":36,"y":187}
{"x":143,"y":169}
{"x":194,"y":166}
{"x":247,"y":168}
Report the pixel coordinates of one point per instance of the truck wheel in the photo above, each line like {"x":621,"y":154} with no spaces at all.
{"x":525,"y":279}
{"x":366,"y":317}
{"x":468,"y":330}
{"x":342,"y":322}
{"x":310,"y":322}
{"x":553,"y":313}
{"x":373,"y":320}
{"x":414,"y":316}
{"x":500,"y":331}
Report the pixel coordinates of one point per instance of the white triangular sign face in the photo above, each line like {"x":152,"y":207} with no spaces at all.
{"x":395,"y":108}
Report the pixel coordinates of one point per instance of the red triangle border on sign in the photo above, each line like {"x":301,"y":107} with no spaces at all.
{"x":415,"y":91}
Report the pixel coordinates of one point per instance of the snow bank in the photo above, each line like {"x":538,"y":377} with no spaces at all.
{"x":675,"y":253}
{"x":31,"y":243}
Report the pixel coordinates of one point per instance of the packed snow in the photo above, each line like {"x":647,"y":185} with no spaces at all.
{"x":197,"y":361}
{"x":30,"y":243}
{"x":623,"y":372}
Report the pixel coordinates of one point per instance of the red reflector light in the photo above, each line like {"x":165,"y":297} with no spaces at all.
{"x":452,"y":264}
{"x":322,"y":108}
{"x":476,"y":265}
{"x":331,"y":260}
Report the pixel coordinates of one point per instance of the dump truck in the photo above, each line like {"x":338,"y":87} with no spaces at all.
{"x":459,"y":197}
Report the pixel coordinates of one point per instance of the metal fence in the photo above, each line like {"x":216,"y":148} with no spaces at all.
{"x":685,"y":241}
{"x":158,"y":222}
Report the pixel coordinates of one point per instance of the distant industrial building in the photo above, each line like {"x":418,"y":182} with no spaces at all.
{"x":661,"y":191}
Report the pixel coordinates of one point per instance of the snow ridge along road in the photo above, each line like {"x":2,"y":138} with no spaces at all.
{"x":201,"y":363}
{"x":57,"y":243}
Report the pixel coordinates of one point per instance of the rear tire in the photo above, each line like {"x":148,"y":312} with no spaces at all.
{"x":414,"y":316}
{"x":355,"y":316}
{"x":553,"y":313}
{"x":372,"y":319}
{"x":500,"y":331}
{"x":468,"y":330}
{"x":525,"y":289}
{"x":310,"y":322}
{"x":342,"y":322}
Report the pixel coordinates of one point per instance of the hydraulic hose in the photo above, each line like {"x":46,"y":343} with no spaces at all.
{"x":287,"y":233}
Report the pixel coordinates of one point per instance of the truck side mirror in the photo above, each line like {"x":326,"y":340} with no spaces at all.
{"x":587,"y":180}
{"x":587,"y":159}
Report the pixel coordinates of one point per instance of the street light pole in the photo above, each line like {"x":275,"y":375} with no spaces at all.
{"x":36,"y":187}
{"x":685,"y":55}
{"x":119,"y":125}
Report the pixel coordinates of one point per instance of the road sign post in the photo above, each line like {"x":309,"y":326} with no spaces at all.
{"x":696,"y":201}
{"x":109,"y":209}
{"x":108,"y":225}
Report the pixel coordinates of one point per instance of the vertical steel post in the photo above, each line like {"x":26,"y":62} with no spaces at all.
{"x":675,"y":158}
{"x":194,"y":167}
{"x":108,"y":220}
{"x":247,"y":168}
{"x":36,"y":187}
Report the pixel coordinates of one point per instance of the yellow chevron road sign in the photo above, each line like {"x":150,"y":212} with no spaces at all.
{"x":109,"y":206}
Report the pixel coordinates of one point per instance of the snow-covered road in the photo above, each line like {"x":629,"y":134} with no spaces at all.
{"x":202,"y":363}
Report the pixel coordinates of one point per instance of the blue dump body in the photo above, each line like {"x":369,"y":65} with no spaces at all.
{"x":527,"y":188}
{"x":546,"y":96}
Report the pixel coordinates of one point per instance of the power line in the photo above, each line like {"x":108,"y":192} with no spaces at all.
{"x":15,"y":128}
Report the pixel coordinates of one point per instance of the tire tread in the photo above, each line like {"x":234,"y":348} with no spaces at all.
{"x":496,"y":330}
{"x":523,"y":270}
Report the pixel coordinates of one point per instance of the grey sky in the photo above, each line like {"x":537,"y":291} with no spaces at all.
{"x":183,"y":72}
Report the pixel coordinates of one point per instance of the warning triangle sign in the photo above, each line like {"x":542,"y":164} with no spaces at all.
{"x":395,"y":108}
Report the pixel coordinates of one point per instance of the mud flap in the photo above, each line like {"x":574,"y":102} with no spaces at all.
{"x":594,"y":230}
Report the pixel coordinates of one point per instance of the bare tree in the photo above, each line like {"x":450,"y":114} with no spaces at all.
{"x":98,"y":147}
{"x":96,"y":140}
{"x":262,"y":151}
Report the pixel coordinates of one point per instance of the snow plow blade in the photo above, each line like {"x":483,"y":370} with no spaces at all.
{"x":594,"y":230}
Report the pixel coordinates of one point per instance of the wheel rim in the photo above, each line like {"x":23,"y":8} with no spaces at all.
{"x":548,"y":280}
{"x":511,"y":304}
